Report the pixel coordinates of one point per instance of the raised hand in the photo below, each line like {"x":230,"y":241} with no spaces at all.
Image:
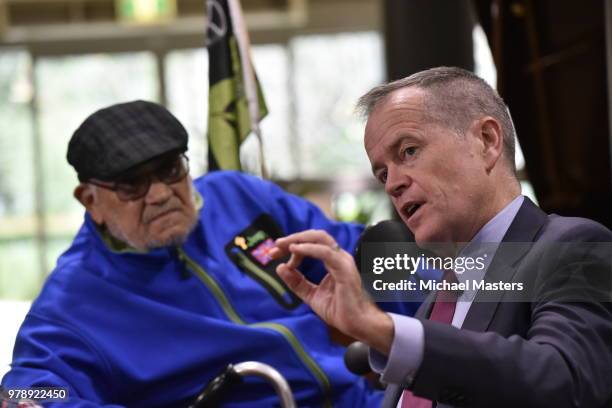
{"x":339,"y":298}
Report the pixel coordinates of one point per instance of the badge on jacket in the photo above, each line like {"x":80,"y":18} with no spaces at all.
{"x":250,"y":251}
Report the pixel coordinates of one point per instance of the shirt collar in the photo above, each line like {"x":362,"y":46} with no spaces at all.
{"x":485,"y":242}
{"x":496,"y":228}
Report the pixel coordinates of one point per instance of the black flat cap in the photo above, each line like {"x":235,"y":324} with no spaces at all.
{"x":120,"y":137}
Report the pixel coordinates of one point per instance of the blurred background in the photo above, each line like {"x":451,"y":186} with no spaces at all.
{"x":62,"y":59}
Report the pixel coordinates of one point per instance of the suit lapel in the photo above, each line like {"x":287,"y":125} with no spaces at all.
{"x":523,"y":230}
{"x":424,"y":310}
{"x":483,"y":307}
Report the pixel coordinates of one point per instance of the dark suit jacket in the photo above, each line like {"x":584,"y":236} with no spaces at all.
{"x":542,"y":353}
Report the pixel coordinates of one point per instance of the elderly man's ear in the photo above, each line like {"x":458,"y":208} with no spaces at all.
{"x":491,"y":142}
{"x":85,"y":194}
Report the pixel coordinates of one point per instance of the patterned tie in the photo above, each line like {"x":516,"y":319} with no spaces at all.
{"x":443,"y":311}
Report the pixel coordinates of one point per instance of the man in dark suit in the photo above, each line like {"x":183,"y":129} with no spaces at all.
{"x":442,"y":143}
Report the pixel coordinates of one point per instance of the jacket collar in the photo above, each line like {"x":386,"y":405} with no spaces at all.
{"x":523,"y":231}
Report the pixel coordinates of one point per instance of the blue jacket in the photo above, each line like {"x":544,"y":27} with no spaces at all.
{"x":152,"y":329}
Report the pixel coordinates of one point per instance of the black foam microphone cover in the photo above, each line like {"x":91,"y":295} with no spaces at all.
{"x":384,"y":231}
{"x":356,"y":358}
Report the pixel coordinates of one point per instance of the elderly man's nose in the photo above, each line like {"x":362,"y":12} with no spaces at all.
{"x":158,"y":192}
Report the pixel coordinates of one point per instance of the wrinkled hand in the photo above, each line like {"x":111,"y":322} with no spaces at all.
{"x":339,"y":298}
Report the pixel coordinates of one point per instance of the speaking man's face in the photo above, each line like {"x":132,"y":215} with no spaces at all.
{"x":436,"y":178}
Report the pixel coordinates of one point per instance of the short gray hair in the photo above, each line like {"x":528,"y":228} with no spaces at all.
{"x":458,"y":97}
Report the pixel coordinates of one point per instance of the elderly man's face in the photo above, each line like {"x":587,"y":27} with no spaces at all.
{"x":436,"y":179}
{"x":165,"y":215}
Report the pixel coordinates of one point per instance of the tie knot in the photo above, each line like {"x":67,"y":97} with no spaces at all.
{"x":450,"y":292}
{"x":449,"y":276}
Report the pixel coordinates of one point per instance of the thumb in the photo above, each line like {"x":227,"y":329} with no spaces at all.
{"x":294,"y":279}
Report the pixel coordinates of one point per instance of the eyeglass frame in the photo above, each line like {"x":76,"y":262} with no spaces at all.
{"x":126,"y":196}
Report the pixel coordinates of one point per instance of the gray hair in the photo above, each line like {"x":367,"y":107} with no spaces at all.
{"x":458,"y":97}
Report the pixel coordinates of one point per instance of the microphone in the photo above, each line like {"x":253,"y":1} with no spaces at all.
{"x":356,"y":358}
{"x":356,"y":354}
{"x":392,"y":231}
{"x":384,"y":231}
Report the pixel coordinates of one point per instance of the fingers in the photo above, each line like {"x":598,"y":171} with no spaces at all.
{"x":333,"y":258}
{"x":296,"y":282}
{"x":313,"y":236}
{"x":325,"y":247}
{"x":276,"y":253}
{"x":295,"y":260}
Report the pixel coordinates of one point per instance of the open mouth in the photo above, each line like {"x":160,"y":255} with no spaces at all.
{"x":411,"y":208}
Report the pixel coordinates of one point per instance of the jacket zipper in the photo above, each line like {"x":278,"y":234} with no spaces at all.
{"x":248,"y":264}
{"x":231,"y":313}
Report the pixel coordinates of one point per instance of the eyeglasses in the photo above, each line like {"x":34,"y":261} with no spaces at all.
{"x":133,"y":186}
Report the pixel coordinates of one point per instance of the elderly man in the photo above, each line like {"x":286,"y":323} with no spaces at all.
{"x":442,"y":143}
{"x":169,"y":280}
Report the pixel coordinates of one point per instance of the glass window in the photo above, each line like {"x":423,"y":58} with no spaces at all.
{"x":187,"y":93}
{"x":331,"y":73}
{"x":19,"y":277}
{"x":272,"y":65}
{"x":310,"y":86}
{"x":187,"y":79}
{"x":74,"y":87}
{"x":69,"y":88}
